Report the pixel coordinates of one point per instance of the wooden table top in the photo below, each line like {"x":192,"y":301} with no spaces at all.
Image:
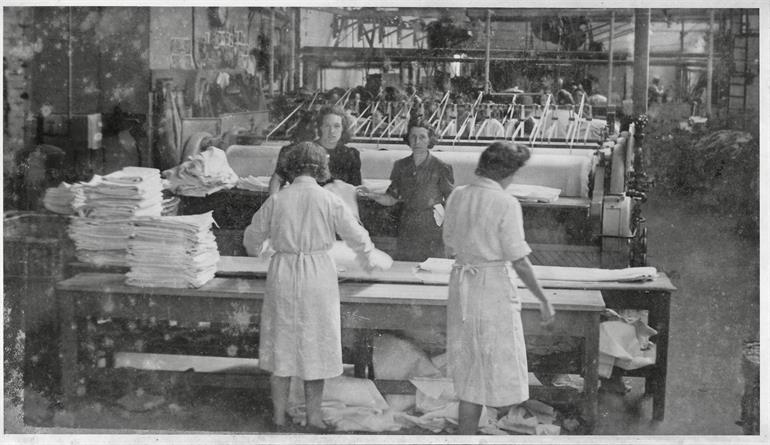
{"x":406,"y":272}
{"x":353,"y":292}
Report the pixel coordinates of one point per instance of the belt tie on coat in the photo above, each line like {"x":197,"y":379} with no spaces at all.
{"x":465,"y":269}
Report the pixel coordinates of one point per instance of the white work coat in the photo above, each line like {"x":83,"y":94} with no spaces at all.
{"x":485,"y":340}
{"x":300,"y":321}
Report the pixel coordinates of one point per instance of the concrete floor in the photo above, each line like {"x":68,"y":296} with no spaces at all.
{"x":714,"y":311}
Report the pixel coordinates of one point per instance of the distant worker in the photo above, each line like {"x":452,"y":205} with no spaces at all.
{"x":655,"y":92}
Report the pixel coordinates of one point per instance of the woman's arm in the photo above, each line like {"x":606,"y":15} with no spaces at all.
{"x":259,"y":230}
{"x":383,"y":199}
{"x":523,"y":267}
{"x":276,"y":182}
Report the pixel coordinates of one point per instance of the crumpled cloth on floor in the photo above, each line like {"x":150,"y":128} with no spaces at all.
{"x":395,"y":358}
{"x":625,"y":344}
{"x":349,"y":404}
{"x":204,"y":173}
{"x":530,"y":417}
{"x":438,"y":404}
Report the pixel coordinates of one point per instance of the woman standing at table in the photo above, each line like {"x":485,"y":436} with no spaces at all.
{"x":334,"y":132}
{"x":484,"y":231}
{"x":422,"y":183}
{"x":300,"y":319}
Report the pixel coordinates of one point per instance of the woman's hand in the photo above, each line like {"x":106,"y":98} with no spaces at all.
{"x":547,"y":314}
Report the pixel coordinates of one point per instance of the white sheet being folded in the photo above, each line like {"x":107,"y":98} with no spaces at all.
{"x":439,"y":268}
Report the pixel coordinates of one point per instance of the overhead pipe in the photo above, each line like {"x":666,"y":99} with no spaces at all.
{"x":710,"y":65}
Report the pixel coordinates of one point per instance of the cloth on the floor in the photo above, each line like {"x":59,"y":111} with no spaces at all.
{"x":534,"y":193}
{"x":531,"y":417}
{"x":101,"y":241}
{"x":625,"y":344}
{"x":570,"y":381}
{"x":172,"y":251}
{"x":438,"y":407}
{"x":399,"y":359}
{"x":203,"y":174}
{"x":254,"y":183}
{"x":130,"y":192}
{"x":349,"y":404}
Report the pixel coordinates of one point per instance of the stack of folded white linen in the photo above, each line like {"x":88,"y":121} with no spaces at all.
{"x":130,"y":192}
{"x":172,"y":251}
{"x":63,"y":199}
{"x":203,"y":174}
{"x":100,"y":241}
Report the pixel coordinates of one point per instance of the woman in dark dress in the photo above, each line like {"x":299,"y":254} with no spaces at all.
{"x":334,"y":132}
{"x":422,"y":183}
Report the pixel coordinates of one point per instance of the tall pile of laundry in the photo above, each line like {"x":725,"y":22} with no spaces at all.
{"x":172,"y":251}
{"x":110,"y":202}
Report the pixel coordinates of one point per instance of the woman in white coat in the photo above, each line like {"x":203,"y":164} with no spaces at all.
{"x":483,"y":231}
{"x":300,"y":320}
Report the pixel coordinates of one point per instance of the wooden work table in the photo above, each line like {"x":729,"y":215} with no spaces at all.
{"x":653,"y":296}
{"x":365,"y":306}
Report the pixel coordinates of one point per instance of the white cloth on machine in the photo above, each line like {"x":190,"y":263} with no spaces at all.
{"x":201,"y":175}
{"x":254,"y":183}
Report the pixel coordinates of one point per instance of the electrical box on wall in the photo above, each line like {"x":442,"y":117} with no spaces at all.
{"x":616,"y":219}
{"x":94,"y":131}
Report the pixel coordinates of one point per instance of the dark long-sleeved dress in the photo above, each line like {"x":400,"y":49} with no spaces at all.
{"x":420,"y":188}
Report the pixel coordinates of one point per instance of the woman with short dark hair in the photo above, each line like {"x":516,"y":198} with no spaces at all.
{"x":422,"y":183}
{"x":300,"y":332}
{"x":483,"y":230}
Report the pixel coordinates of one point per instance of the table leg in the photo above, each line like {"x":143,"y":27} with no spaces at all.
{"x":591,"y":370}
{"x":659,"y":319}
{"x":69,"y":346}
{"x":362,"y":360}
